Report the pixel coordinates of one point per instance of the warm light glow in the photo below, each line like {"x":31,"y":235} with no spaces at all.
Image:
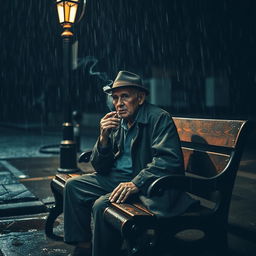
{"x":60,"y":10}
{"x":73,"y":10}
{"x":67,"y":10}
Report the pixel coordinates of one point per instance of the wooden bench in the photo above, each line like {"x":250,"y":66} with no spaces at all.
{"x":212,"y":151}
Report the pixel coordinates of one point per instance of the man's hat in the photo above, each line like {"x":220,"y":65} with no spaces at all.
{"x":126,"y":79}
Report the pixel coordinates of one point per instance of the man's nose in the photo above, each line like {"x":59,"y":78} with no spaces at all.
{"x":120,"y":101}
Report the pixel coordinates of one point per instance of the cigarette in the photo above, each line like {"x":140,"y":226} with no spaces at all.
{"x":117,"y":115}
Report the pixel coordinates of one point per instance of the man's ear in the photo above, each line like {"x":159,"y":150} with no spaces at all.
{"x":141,"y":97}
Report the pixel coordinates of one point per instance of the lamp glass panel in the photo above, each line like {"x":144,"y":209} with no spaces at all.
{"x":73,"y":10}
{"x":60,"y":10}
{"x":67,"y":11}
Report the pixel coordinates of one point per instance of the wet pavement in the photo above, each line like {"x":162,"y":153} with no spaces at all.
{"x":24,"y":235}
{"x":25,"y":194}
{"x":22,"y":228}
{"x":16,"y":143}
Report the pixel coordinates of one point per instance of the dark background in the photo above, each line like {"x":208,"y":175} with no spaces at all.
{"x":186,"y":40}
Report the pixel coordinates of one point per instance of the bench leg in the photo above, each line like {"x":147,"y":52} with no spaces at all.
{"x":53,"y":215}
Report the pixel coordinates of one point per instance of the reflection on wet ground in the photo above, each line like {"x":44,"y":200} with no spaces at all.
{"x":25,"y":236}
{"x":19,"y":143}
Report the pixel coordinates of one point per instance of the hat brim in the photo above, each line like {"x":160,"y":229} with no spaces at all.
{"x":141,"y":88}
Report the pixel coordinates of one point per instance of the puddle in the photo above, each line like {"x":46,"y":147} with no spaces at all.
{"x":25,"y":236}
{"x":23,"y":225}
{"x":32,"y":244}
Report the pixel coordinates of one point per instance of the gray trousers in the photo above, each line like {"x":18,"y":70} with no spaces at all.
{"x":85,"y":198}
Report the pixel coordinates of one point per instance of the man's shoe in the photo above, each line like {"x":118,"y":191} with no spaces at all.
{"x":81,"y":251}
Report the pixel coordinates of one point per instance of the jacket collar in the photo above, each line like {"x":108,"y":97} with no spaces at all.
{"x":142,"y":115}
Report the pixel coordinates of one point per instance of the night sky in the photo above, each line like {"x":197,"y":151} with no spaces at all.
{"x":189,"y":40}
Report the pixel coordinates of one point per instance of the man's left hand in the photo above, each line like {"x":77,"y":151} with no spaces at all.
{"x":122,"y":192}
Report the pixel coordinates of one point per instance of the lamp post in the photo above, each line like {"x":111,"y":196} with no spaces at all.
{"x":67,"y":11}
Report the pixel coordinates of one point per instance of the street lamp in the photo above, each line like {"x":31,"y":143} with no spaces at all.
{"x":67,"y":11}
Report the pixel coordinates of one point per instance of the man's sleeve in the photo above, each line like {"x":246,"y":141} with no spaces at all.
{"x":167,"y":155}
{"x":102,"y":158}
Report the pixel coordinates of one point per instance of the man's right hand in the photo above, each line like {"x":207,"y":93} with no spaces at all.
{"x":108,"y":122}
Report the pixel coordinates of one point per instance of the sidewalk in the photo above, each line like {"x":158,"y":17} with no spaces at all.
{"x":22,"y":231}
{"x":25,"y":194}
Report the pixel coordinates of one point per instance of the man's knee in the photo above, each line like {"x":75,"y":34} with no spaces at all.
{"x":70,"y":185}
{"x":100,"y":204}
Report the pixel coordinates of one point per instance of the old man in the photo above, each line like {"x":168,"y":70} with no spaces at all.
{"x":138,"y":143}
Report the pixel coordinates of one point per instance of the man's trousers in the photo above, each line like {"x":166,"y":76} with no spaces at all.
{"x":85,"y":199}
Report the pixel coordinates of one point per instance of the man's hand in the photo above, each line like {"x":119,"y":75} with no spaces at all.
{"x":122,"y":192}
{"x":108,"y":122}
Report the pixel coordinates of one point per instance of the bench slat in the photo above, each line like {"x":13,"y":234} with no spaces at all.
{"x":62,"y":178}
{"x":115,"y":217}
{"x":213,"y":132}
{"x":128,"y":219}
{"x":143,"y":208}
{"x":132,"y":209}
{"x":204,"y":163}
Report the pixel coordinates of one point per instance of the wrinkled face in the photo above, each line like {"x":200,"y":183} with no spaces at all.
{"x":127,"y":102}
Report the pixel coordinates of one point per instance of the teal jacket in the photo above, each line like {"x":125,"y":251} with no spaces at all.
{"x":155,"y":151}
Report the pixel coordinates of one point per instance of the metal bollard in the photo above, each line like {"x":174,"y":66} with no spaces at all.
{"x":68,"y":157}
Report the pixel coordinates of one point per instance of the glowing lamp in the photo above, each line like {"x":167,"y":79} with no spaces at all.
{"x":67,"y":11}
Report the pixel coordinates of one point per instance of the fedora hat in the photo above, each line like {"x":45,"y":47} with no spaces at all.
{"x":126,"y":79}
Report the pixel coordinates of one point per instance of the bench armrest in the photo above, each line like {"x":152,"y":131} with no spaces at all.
{"x":85,"y":156}
{"x":184,"y":183}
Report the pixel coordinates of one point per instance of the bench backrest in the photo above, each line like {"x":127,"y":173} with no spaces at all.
{"x":212,"y":148}
{"x":208,"y":144}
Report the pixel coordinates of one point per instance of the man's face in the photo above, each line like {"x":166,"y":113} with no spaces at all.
{"x":127,"y":102}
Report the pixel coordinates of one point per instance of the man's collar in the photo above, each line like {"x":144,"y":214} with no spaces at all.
{"x":142,"y":115}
